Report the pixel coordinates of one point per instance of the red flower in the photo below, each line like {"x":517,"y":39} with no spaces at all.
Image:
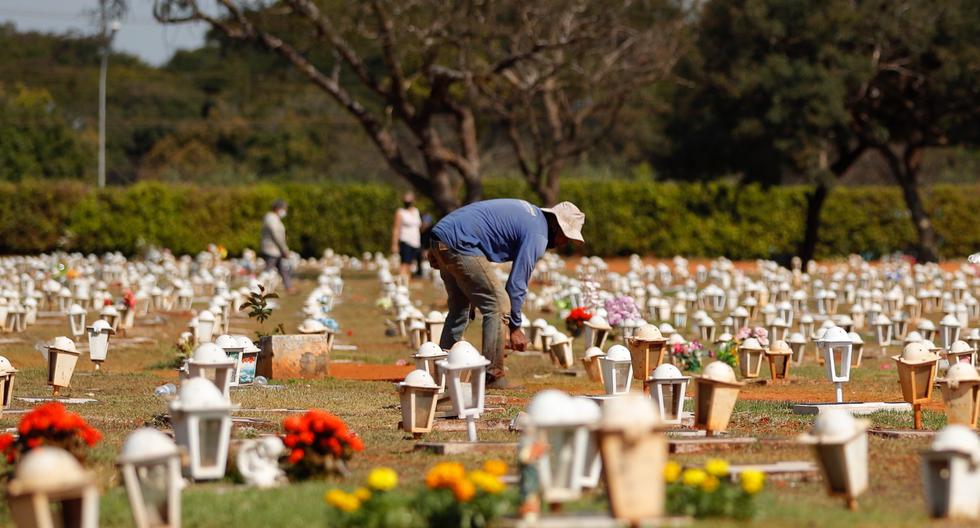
{"x":296,"y":455}
{"x":34,"y":442}
{"x":290,"y":440}
{"x":6,"y":440}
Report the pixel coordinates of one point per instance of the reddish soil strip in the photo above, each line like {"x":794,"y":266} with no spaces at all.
{"x":359,"y":371}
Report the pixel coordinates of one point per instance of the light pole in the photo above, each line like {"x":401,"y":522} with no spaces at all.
{"x":108,"y":32}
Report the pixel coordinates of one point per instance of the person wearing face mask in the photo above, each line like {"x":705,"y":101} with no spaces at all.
{"x":274,"y":250}
{"x":406,"y":235}
{"x":466,"y":241}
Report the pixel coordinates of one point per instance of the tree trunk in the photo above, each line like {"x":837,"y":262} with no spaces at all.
{"x":548,"y":183}
{"x":814,"y":206}
{"x":906,"y":172}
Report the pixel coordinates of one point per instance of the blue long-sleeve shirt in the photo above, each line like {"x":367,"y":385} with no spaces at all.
{"x":504,"y":230}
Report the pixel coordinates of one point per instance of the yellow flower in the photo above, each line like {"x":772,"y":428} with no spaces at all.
{"x":445,"y":475}
{"x":497,"y":468}
{"x":486,"y":482}
{"x":463,"y":490}
{"x":382,"y":479}
{"x":753,"y":481}
{"x":710,"y":484}
{"x":672,"y":471}
{"x":362,"y":494}
{"x":716,"y":467}
{"x":342,"y":500}
{"x":693,"y":477}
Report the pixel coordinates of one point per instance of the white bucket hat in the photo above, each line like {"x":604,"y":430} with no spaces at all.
{"x":570,"y":220}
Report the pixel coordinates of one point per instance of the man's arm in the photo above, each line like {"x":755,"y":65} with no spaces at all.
{"x":279,"y":236}
{"x":520,"y":274}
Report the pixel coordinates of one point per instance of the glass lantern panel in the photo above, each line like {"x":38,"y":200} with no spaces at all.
{"x":622,"y":371}
{"x":832,"y":460}
{"x":210,"y":438}
{"x":68,"y":511}
{"x":423,"y":404}
{"x":674,"y":396}
{"x":561,"y":454}
{"x":153,"y":486}
{"x":706,"y":394}
{"x":923,"y":377}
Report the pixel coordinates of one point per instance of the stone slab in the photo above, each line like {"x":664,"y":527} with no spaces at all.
{"x":345,"y":348}
{"x":787,"y":470}
{"x":294,"y":356}
{"x":901,"y":433}
{"x":458,"y":448}
{"x":693,"y":445}
{"x":66,"y":401}
{"x":856,"y":408}
{"x":590,"y":520}
{"x":460,"y":425}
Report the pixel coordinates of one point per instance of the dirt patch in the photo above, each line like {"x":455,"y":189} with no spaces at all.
{"x":368,"y":372}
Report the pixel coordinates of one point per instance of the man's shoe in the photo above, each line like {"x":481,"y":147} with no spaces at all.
{"x":497,"y":383}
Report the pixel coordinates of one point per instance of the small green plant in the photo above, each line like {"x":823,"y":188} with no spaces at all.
{"x":257,"y":305}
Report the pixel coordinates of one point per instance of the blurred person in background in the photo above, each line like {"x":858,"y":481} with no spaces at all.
{"x":274,"y":250}
{"x":406,"y":235}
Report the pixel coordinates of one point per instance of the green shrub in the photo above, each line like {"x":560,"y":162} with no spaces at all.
{"x":623,"y":217}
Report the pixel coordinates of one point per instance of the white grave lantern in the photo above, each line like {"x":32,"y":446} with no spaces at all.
{"x":951,"y":474}
{"x":961,"y":394}
{"x":248,"y":360}
{"x":857,"y":316}
{"x":950,"y":329}
{"x":648,"y":349}
{"x":536,"y":327}
{"x":98,"y":341}
{"x":715,"y":394}
{"x":634,"y":453}
{"x":591,"y":363}
{"x":727,"y":325}
{"x":50,"y":488}
{"x":961,"y":352}
{"x":62,"y":358}
{"x":751,"y":305}
{"x":927,"y":329}
{"x":150,"y":465}
{"x":110,"y":314}
{"x":202,"y":425}
{"x":706,"y":329}
{"x":857,"y":349}
{"x":76,"y":320}
{"x":205,"y":326}
{"x":434,"y":323}
{"x":557,"y":420}
{"x":680,"y":315}
{"x":840,"y":443}
{"x":740,"y":317}
{"x":545,"y":335}
{"x":780,"y":357}
{"x":426,"y":358}
{"x":416,"y":334}
{"x":464,"y":360}
{"x":750,"y":355}
{"x":7,"y":373}
{"x":797,"y":343}
{"x":806,"y":325}
{"x":596,"y":331}
{"x":211,"y":362}
{"x":185,"y":299}
{"x":715,"y":297}
{"x":419,"y":395}
{"x":836,"y":349}
{"x":917,"y":374}
{"x":667,"y":389}
{"x":883,"y":331}
{"x":561,"y":351}
{"x":617,"y":370}
{"x":778,"y":330}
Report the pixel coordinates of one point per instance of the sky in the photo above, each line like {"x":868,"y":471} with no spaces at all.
{"x":139,"y":35}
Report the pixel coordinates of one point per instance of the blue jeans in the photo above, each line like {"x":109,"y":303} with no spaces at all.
{"x":470,"y":281}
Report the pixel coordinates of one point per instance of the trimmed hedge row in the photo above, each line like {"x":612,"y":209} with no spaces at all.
{"x":704,"y":219}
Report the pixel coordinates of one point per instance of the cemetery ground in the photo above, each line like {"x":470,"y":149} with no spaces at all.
{"x":125,"y":400}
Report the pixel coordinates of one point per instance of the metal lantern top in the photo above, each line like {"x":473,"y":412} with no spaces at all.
{"x":741,"y":311}
{"x":547,"y":331}
{"x":464,"y":355}
{"x":959,"y":372}
{"x":676,"y":339}
{"x":63,"y":344}
{"x":960,"y":347}
{"x":594,"y":352}
{"x":950,"y":320}
{"x":926,"y":325}
{"x":5,"y":366}
{"x":225,"y":342}
{"x":419,"y":379}
{"x":834,"y":426}
{"x":913,"y":337}
{"x":667,"y":372}
{"x":76,"y":309}
{"x":835,"y":335}
{"x":205,"y":316}
{"x":780,"y":347}
{"x":796,"y":338}
{"x":199,"y":394}
{"x":246,"y":344}
{"x":648,"y":332}
{"x":751,"y":344}
{"x":554,"y":408}
{"x":720,"y":372}
{"x":559,"y":338}
{"x":629,"y":412}
{"x":598,"y":322}
{"x":916,"y":354}
{"x":312,"y":326}
{"x":429,"y":350}
{"x":101,"y":326}
{"x":48,"y":469}
{"x":435,"y":316}
{"x":855,"y":338}
{"x":539,"y":323}
{"x":210,"y":354}
{"x":806,"y":319}
{"x":958,"y":439}
{"x":146,"y":444}
{"x":618,"y":353}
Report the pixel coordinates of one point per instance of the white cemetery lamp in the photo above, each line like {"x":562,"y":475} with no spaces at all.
{"x":971,"y":303}
{"x":434,"y":323}
{"x":950,"y":330}
{"x":797,"y":343}
{"x":7,"y":373}
{"x":98,"y":341}
{"x":211,"y":362}
{"x":205,"y":326}
{"x":768,"y":314}
{"x":927,"y":329}
{"x":912,"y":337}
{"x":648,"y":349}
{"x":798,"y":299}
{"x":836,"y":350}
{"x":857,"y":316}
{"x":62,"y":358}
{"x":680,"y":315}
{"x":917,"y":374}
{"x":751,"y":305}
{"x":419,"y":395}
{"x":706,"y":329}
{"x":634,"y":453}
{"x":545,"y":335}
{"x":50,"y":488}
{"x":883,"y":331}
{"x":591,"y":363}
{"x":913,"y":307}
{"x":961,"y":312}
{"x":64,"y":300}
{"x":857,"y":349}
{"x":156,"y":298}
{"x":951,"y":474}
{"x":784,"y":311}
{"x":185,"y":299}
{"x":555,"y":421}
{"x":464,"y":360}
{"x":778,"y":329}
{"x":667,"y":388}
{"x":840,"y":443}
{"x":416,"y":334}
{"x":961,"y":352}
{"x":629,"y":327}
{"x":561,"y":351}
{"x":958,"y":288}
{"x":715,"y":297}
{"x":973,"y":338}
{"x":616,"y":370}
{"x":727,"y":325}
{"x":780,"y":357}
{"x":806,"y":325}
{"x":247,"y":361}
{"x":150,"y":465}
{"x":202,"y":425}
{"x":750,"y":355}
{"x":715,"y":394}
{"x":76,"y":320}
{"x":536,"y":327}
{"x":961,"y":394}
{"x":233,"y":350}
{"x":596,"y":331}
{"x":425,"y":359}
{"x":110,"y":315}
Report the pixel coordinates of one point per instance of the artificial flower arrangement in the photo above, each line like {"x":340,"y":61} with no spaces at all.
{"x":575,"y":322}
{"x":452,"y":497}
{"x":759,"y":333}
{"x":49,"y":424}
{"x":688,"y":356}
{"x":619,"y":309}
{"x":318,"y":443}
{"x":711,"y":492}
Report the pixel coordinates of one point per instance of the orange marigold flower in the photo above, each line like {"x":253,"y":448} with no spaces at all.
{"x":464,"y":490}
{"x":495,"y":467}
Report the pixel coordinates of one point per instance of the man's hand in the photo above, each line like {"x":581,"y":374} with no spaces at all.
{"x":518,"y":341}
